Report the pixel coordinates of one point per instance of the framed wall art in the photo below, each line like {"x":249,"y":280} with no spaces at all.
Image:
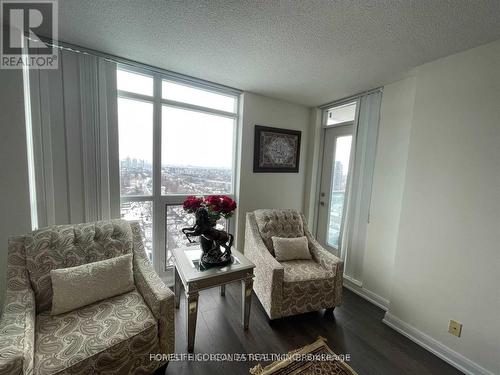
{"x":276,"y":150}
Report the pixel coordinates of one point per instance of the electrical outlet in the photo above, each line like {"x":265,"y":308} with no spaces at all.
{"x":455,"y":328}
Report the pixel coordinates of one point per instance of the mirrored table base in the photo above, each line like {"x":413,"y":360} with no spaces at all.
{"x":191,"y":290}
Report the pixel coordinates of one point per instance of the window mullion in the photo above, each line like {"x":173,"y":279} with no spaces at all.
{"x":136,"y":198}
{"x":158,"y":215}
{"x":197,"y":108}
{"x":134,"y":96}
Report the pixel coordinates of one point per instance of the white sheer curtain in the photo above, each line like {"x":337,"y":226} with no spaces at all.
{"x":360,"y":185}
{"x":75,"y":135}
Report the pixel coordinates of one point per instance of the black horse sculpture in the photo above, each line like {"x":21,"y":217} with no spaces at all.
{"x":211,"y":240}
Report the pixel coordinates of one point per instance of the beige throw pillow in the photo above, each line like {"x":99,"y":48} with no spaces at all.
{"x":291,"y":248}
{"x":79,"y":286}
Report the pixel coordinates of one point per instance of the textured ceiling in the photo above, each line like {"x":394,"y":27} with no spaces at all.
{"x":308,"y":51}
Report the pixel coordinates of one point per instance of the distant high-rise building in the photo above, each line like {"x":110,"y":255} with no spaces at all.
{"x":338,"y":173}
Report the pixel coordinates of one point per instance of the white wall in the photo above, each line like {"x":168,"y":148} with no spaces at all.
{"x":447,"y":262}
{"x":15,"y":203}
{"x":433,"y":241}
{"x":387,"y":190}
{"x":269,"y":190}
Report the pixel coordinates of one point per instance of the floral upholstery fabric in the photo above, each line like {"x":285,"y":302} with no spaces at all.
{"x":291,"y":287}
{"x":63,"y":246}
{"x":97,"y":337}
{"x":297,"y":271}
{"x":269,"y":273}
{"x":17,"y":326}
{"x":157,"y":295}
{"x":113,"y":336}
{"x":278,"y":223}
{"x":79,"y":286}
{"x":328,"y":261}
{"x":307,"y":286}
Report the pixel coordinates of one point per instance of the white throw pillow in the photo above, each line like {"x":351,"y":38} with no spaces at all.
{"x":291,"y":248}
{"x":79,"y":286}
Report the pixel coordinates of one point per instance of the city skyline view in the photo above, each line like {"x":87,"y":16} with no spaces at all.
{"x":338,"y":187}
{"x":147,"y":163}
{"x":189,"y":138}
{"x":136,"y":179}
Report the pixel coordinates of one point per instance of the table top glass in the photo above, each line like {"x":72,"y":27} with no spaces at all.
{"x":187,"y":262}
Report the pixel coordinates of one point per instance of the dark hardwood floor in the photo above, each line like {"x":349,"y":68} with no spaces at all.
{"x":356,"y":328}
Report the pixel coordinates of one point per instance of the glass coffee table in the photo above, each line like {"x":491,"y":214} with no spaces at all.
{"x":190,"y":274}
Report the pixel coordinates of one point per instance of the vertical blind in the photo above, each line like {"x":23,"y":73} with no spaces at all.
{"x":360,"y":184}
{"x":75,"y":140}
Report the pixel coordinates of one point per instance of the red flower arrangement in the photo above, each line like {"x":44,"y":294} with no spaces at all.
{"x":217,"y":206}
{"x":191,"y":204}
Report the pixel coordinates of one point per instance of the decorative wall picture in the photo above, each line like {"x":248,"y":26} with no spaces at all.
{"x":276,"y":150}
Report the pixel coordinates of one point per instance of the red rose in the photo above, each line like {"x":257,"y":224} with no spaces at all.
{"x":217,"y":205}
{"x":228,"y":205}
{"x":214,"y":202}
{"x":192,"y":203}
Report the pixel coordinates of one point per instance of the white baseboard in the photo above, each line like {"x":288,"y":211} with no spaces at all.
{"x":442,"y":351}
{"x":357,"y":287}
{"x":352,"y":280}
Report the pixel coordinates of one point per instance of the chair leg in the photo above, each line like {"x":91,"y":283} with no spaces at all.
{"x":161,"y":370}
{"x":329,"y":312}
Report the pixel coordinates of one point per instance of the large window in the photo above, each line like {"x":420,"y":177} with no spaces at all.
{"x":197,"y":152}
{"x":175,"y":140}
{"x":135,"y":119}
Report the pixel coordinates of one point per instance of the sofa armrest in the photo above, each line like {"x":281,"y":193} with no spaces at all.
{"x":327,"y":260}
{"x":269,"y":272}
{"x":159,"y":298}
{"x":17,"y":325}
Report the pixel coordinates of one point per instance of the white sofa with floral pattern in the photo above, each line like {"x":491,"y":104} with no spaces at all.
{"x":112,"y":336}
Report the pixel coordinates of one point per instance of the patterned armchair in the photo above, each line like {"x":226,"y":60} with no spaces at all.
{"x":296,"y":286}
{"x":113,"y":336}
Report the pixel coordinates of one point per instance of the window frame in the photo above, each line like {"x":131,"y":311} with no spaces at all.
{"x":325,"y":110}
{"x":158,"y":200}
